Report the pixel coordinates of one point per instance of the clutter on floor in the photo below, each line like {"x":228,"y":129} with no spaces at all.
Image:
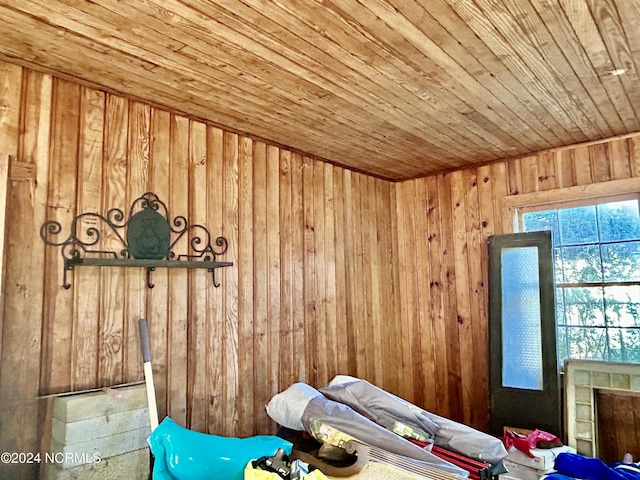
{"x":336,"y":434}
{"x":540,"y":455}
{"x":531,"y":454}
{"x":352,"y":429}
{"x":353,"y":411}
{"x":532,"y":466}
{"x":336,"y":423}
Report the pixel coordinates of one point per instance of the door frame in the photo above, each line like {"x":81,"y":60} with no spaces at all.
{"x":516,"y":407}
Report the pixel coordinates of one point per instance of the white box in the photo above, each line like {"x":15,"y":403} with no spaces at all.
{"x":543,"y":459}
{"x":521,"y":472}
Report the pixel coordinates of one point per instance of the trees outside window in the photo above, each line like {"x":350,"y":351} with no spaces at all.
{"x":597,"y":275}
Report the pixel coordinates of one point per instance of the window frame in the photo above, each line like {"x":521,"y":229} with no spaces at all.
{"x":557,"y":205}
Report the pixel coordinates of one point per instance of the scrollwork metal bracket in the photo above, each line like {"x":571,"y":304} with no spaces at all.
{"x":145,"y":239}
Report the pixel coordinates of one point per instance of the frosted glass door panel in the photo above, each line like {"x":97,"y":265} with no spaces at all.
{"x":521,"y":319}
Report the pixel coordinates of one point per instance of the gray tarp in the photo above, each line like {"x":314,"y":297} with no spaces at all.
{"x":381,"y":407}
{"x":320,"y":415}
{"x":384,"y":408}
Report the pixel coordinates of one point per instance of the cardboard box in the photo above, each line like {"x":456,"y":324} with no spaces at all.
{"x":543,"y":459}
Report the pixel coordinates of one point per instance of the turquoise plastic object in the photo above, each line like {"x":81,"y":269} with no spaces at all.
{"x":181,"y":454}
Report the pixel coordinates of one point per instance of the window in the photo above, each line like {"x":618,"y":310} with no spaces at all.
{"x":596,"y":252}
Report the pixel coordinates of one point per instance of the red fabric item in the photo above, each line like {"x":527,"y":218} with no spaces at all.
{"x":524,"y":443}
{"x":477,"y":470}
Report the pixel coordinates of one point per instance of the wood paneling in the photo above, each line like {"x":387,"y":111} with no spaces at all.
{"x":311,"y":293}
{"x":618,"y":425}
{"x":444,"y":268}
{"x":334,"y":271}
{"x":414,"y":87}
{"x":29,"y":98}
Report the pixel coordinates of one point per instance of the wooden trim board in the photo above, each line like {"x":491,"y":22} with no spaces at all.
{"x":4,"y":187}
{"x":580,"y":192}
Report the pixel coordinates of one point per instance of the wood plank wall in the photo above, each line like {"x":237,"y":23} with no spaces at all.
{"x":618,"y":424}
{"x":443,"y":225}
{"x":335,"y":271}
{"x":311,"y":293}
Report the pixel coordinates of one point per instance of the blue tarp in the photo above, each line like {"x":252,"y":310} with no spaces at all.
{"x":571,"y":465}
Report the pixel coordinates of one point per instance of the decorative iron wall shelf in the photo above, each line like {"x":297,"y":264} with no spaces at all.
{"x":144,"y":239}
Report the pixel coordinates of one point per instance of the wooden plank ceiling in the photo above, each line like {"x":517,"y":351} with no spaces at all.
{"x":394,"y":88}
